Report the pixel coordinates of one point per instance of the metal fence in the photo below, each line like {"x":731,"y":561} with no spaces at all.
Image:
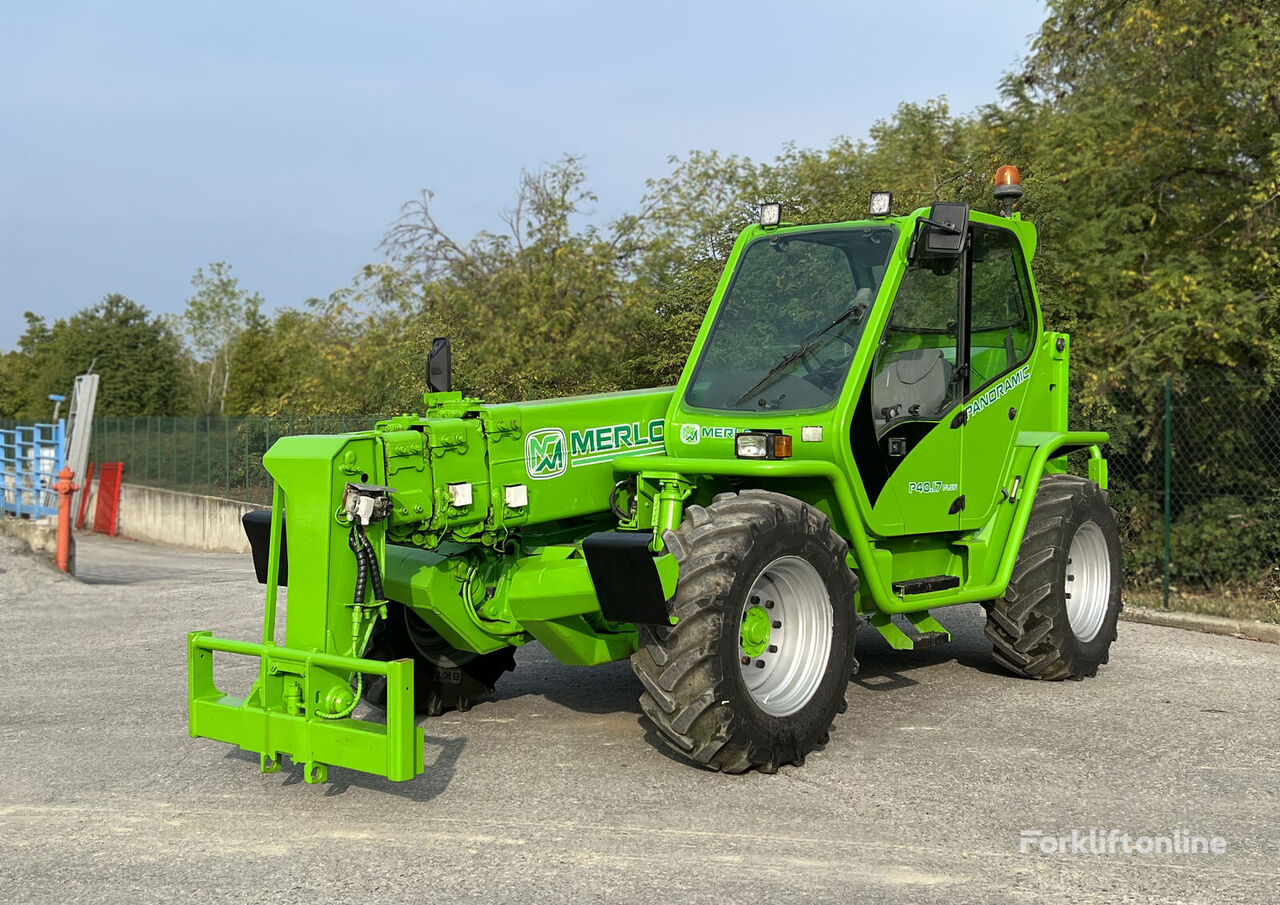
{"x":31,"y":455}
{"x":1195,"y":478}
{"x":1194,"y":468}
{"x":208,"y":455}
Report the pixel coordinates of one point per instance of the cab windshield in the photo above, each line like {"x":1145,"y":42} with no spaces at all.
{"x":791,"y":320}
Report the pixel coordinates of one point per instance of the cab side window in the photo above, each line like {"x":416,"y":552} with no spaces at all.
{"x":912,"y":377}
{"x":1001,"y":323}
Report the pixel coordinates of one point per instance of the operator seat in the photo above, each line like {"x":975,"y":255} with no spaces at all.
{"x":915,"y":384}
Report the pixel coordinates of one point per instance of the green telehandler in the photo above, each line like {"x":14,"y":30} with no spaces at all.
{"x":872,"y":424}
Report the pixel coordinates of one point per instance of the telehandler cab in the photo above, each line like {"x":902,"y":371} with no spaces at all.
{"x":872,"y":424}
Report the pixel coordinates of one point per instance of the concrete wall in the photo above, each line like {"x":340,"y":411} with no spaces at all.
{"x":41,"y":536}
{"x":189,"y":520}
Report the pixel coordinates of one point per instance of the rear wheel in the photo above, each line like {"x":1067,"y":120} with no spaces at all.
{"x":445,"y":678}
{"x":756,"y":666}
{"x":1058,"y":616}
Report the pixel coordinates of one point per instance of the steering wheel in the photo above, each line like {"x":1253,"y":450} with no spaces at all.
{"x":828,"y":374}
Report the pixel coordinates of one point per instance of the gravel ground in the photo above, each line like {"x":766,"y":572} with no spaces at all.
{"x":555,"y":791}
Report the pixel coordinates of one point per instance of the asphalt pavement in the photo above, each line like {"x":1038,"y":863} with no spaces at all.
{"x":556,"y":791}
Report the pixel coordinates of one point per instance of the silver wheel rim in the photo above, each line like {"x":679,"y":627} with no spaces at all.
{"x":784,"y":677}
{"x":1088,"y":584}
{"x":428,"y":643}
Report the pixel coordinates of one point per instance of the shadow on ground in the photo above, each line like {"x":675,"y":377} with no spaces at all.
{"x":431,"y":784}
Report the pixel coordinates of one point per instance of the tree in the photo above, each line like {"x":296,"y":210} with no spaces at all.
{"x":346,"y":354}
{"x":215,"y":316}
{"x":136,"y":354}
{"x":538,"y":311}
{"x":12,"y":384}
{"x":1152,"y":132}
{"x":694,"y":214}
{"x":1153,"y":135}
{"x":26,"y":396}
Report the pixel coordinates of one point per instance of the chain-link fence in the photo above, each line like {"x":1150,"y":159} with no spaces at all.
{"x":1194,"y":468}
{"x":216,"y":456}
{"x":1195,"y":479}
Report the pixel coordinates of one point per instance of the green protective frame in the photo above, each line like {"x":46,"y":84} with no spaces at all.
{"x":874,"y":581}
{"x":394,"y":750}
{"x":300,"y":704}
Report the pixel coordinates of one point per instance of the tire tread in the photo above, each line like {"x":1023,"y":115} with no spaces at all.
{"x":1027,"y":627}
{"x":678,"y":665}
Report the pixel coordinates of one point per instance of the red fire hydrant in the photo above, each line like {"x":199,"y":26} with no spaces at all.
{"x":65,"y":488}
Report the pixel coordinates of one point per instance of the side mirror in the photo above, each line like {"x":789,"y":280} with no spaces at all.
{"x":439,"y":366}
{"x":946,"y":229}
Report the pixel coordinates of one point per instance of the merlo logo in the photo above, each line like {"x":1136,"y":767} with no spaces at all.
{"x":544,"y":453}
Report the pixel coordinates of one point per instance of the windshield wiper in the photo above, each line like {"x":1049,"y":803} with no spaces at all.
{"x":799,"y":353}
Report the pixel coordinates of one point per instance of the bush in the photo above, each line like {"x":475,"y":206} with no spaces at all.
{"x":1225,"y":541}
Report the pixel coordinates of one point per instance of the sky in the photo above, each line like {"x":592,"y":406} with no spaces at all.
{"x":140,"y":141}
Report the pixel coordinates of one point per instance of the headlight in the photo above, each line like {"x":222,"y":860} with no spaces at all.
{"x":754,"y":446}
{"x":771,"y":444}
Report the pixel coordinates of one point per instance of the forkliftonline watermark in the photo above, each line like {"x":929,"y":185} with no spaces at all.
{"x":1095,"y":841}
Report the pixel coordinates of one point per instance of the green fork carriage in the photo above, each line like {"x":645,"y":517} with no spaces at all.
{"x":872,"y":423}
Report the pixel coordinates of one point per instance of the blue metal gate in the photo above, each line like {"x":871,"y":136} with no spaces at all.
{"x":30,"y":458}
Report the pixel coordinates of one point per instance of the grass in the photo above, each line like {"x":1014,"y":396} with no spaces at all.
{"x":1262,"y":605}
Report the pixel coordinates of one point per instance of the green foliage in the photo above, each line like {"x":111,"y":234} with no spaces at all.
{"x":541,"y":310}
{"x":136,"y":353}
{"x":339,"y":355}
{"x":214,"y":319}
{"x":1148,"y":136}
{"x":1225,"y":540}
{"x":1152,"y":136}
{"x":1146,"y":131}
{"x":11,"y":385}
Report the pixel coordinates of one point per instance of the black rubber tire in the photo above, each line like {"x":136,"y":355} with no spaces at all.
{"x":693,"y":688}
{"x":1028,"y":627}
{"x":437,"y":686}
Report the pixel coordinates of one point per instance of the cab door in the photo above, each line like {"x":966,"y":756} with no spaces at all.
{"x":1003,"y":329}
{"x":905,"y":439}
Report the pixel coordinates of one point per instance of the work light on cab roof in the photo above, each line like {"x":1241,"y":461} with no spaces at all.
{"x":770,"y":213}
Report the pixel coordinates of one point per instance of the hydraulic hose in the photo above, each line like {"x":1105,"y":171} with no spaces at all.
{"x":362,"y":564}
{"x":359,"y":639}
{"x":366,"y":570}
{"x":371,"y":561}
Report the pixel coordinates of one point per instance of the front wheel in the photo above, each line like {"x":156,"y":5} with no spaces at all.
{"x":1058,"y":616}
{"x":444,"y":678}
{"x":756,"y":666}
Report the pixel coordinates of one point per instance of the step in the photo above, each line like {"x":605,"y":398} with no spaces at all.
{"x":926,"y":585}
{"x":925,"y":631}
